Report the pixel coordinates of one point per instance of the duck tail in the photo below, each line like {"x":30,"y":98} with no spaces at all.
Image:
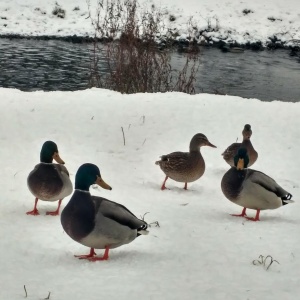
{"x":287,"y":199}
{"x":284,"y":202}
{"x":162,"y":158}
{"x":143,"y":230}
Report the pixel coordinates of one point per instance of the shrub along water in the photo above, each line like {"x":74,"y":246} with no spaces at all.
{"x":132,"y":57}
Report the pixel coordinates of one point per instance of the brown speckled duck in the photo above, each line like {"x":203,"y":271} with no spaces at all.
{"x":231,"y":151}
{"x":185,"y":166}
{"x":252,"y":189}
{"x":49,"y":181}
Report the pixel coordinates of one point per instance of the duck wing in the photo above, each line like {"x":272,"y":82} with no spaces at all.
{"x":268,"y":183}
{"x":62,"y":169}
{"x":231,"y":150}
{"x":174,"y":161}
{"x":118,"y":213}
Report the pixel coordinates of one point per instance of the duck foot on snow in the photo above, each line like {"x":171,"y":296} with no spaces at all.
{"x":256,"y":218}
{"x":243,"y":214}
{"x":34,"y":212}
{"x":56,"y":212}
{"x":92,"y":255}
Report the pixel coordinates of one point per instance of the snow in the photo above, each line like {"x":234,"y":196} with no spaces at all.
{"x":199,"y":251}
{"x":235,"y":20}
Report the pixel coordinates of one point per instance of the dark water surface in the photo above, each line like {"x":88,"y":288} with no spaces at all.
{"x":31,"y":65}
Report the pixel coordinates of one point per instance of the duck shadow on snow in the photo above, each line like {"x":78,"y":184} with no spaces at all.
{"x":115,"y":255}
{"x":265,"y":219}
{"x":172,"y":188}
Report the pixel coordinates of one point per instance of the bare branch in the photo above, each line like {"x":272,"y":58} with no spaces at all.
{"x":132,"y":59}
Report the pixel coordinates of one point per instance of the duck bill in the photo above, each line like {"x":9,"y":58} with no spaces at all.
{"x":103,"y":184}
{"x":57,"y":158}
{"x":210,"y":144}
{"x":240,"y":164}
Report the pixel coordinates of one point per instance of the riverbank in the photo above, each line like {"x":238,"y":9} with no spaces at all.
{"x":176,"y":43}
{"x":256,"y":26}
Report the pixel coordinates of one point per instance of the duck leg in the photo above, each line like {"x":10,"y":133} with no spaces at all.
{"x":243,"y":214}
{"x":104,"y":257}
{"x":185,"y":185}
{"x":34,"y":212}
{"x":56,"y":212}
{"x":163,"y":187}
{"x":92,"y":254}
{"x":256,"y":218}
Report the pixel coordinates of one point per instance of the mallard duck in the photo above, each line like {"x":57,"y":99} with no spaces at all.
{"x":230,"y":152}
{"x":185,"y":166}
{"x":252,"y":189}
{"x":96,"y":222}
{"x":49,"y":181}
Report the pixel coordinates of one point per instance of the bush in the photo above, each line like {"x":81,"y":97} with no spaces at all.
{"x":133,"y":58}
{"x":59,"y":12}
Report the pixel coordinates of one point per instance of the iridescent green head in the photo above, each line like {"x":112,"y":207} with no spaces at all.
{"x":89,"y":174}
{"x":49,"y":152}
{"x":241,"y":159}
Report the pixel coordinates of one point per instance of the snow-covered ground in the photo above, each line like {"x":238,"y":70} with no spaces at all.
{"x":200,"y":251}
{"x":231,"y":21}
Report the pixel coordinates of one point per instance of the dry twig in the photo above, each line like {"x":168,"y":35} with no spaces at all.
{"x":152,"y":223}
{"x":25,"y":291}
{"x":123,"y":135}
{"x":262,"y":261}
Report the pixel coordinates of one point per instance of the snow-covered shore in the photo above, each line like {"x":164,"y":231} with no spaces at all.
{"x":200,"y":251}
{"x":272,"y":23}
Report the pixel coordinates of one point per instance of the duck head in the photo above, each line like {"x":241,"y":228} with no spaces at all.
{"x":241,"y":159}
{"x":247,"y":132}
{"x":49,"y":152}
{"x":89,"y":174}
{"x":198,"y":141}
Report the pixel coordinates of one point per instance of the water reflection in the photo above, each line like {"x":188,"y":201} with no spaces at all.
{"x":56,"y":65}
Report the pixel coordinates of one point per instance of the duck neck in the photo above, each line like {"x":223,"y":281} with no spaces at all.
{"x":247,"y":143}
{"x":82,"y":186}
{"x":46,"y":159}
{"x":194,"y":147}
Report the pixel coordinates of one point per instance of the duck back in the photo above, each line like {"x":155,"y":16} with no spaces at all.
{"x":45,"y":182}
{"x":183,"y":166}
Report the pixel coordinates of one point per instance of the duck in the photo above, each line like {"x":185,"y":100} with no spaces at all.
{"x":252,"y":189}
{"x":185,"y":166}
{"x":49,"y":181}
{"x":96,"y":222}
{"x":231,"y":150}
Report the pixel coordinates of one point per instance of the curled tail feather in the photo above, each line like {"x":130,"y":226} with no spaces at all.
{"x":143,"y":230}
{"x":287,"y":199}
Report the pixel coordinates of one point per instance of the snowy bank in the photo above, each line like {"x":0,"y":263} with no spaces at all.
{"x":272,"y":23}
{"x":200,"y":251}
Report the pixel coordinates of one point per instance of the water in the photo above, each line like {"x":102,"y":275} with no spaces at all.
{"x":31,"y":65}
